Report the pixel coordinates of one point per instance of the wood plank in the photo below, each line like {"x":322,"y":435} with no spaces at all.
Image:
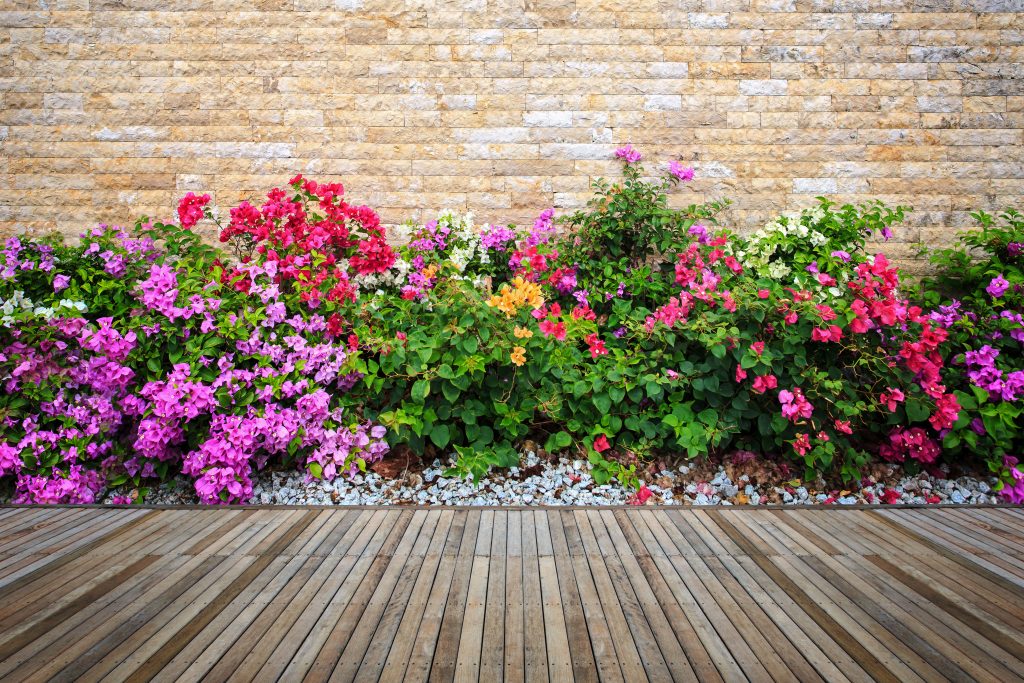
{"x":856,"y":620}
{"x":15,"y":640}
{"x":584,"y":668}
{"x":828,"y":620}
{"x":954,"y":603}
{"x":27,"y":640}
{"x":203,"y":651}
{"x":383,"y":638}
{"x":613,"y":580}
{"x":283,"y":537}
{"x":560,"y":667}
{"x":372,"y":582}
{"x":96,"y":538}
{"x":59,"y":583}
{"x":401,"y":648}
{"x":262,"y":636}
{"x":102,"y":624}
{"x":283,"y":640}
{"x":460,"y":544}
{"x":467,"y":663}
{"x":800,"y":652}
{"x":394,"y":586}
{"x":534,"y":637}
{"x":601,"y":645}
{"x":704,"y":654}
{"x":626,"y":652}
{"x":493,"y":644}
{"x":515,"y":608}
{"x":357,"y":550}
{"x":157,"y":627}
{"x":968,"y":650}
{"x":955,"y":546}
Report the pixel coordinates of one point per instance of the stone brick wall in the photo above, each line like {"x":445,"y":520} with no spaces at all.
{"x":112,"y":108}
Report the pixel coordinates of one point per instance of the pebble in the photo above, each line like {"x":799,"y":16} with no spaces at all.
{"x":570,"y":482}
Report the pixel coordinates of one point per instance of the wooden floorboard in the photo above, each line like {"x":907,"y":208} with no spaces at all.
{"x":516,"y":595}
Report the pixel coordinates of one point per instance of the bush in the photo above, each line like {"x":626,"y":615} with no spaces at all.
{"x":636,"y":330}
{"x":134,"y":363}
{"x":978,"y":296}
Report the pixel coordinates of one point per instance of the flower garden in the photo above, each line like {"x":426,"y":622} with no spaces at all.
{"x":622,"y":333}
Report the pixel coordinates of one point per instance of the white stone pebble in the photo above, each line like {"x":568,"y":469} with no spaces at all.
{"x":570,"y":482}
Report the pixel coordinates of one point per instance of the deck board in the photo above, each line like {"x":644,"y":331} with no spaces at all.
{"x":625,"y":594}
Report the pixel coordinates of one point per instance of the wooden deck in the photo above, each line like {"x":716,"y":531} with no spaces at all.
{"x":396,"y":594}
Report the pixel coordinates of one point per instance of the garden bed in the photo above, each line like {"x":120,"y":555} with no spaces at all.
{"x":560,"y":481}
{"x":629,"y":334}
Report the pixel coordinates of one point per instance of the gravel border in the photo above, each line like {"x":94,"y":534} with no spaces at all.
{"x":541,"y":482}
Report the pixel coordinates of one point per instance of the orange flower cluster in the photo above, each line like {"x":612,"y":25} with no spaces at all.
{"x":521,"y":293}
{"x":518,"y":355}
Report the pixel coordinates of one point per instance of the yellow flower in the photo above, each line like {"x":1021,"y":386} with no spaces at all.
{"x":522,"y":333}
{"x":518,"y":355}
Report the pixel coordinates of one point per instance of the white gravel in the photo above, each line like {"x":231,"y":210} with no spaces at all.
{"x":569,"y":482}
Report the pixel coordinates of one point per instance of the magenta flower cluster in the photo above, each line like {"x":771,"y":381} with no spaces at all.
{"x":248,"y":384}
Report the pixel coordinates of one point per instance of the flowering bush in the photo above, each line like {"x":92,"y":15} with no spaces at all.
{"x":977,"y":294}
{"x":818,"y":240}
{"x":139,"y":364}
{"x":622,"y":246}
{"x":319,"y":243}
{"x":633,"y":329}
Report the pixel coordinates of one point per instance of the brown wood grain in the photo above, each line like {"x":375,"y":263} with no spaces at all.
{"x":417,"y":594}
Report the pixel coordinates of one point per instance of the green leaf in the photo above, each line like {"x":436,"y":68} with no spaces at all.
{"x":557,"y":441}
{"x":917,"y":411}
{"x":653,"y":390}
{"x":420,"y":390}
{"x":440,"y":434}
{"x":450,"y":391}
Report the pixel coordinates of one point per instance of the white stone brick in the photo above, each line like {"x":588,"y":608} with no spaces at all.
{"x":764,"y":87}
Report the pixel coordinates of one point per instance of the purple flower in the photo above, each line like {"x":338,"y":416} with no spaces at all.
{"x":700,"y":232}
{"x":886,"y":233}
{"x":998,"y":286}
{"x":627,"y":152}
{"x":679,"y":171}
{"x":61,"y":282}
{"x":498,"y":237}
{"x":1015,"y":248}
{"x":543,"y":229}
{"x":986,"y":355}
{"x":843,"y":256}
{"x":946,"y":316}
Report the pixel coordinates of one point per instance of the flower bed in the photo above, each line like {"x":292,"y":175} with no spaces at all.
{"x":631,"y":332}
